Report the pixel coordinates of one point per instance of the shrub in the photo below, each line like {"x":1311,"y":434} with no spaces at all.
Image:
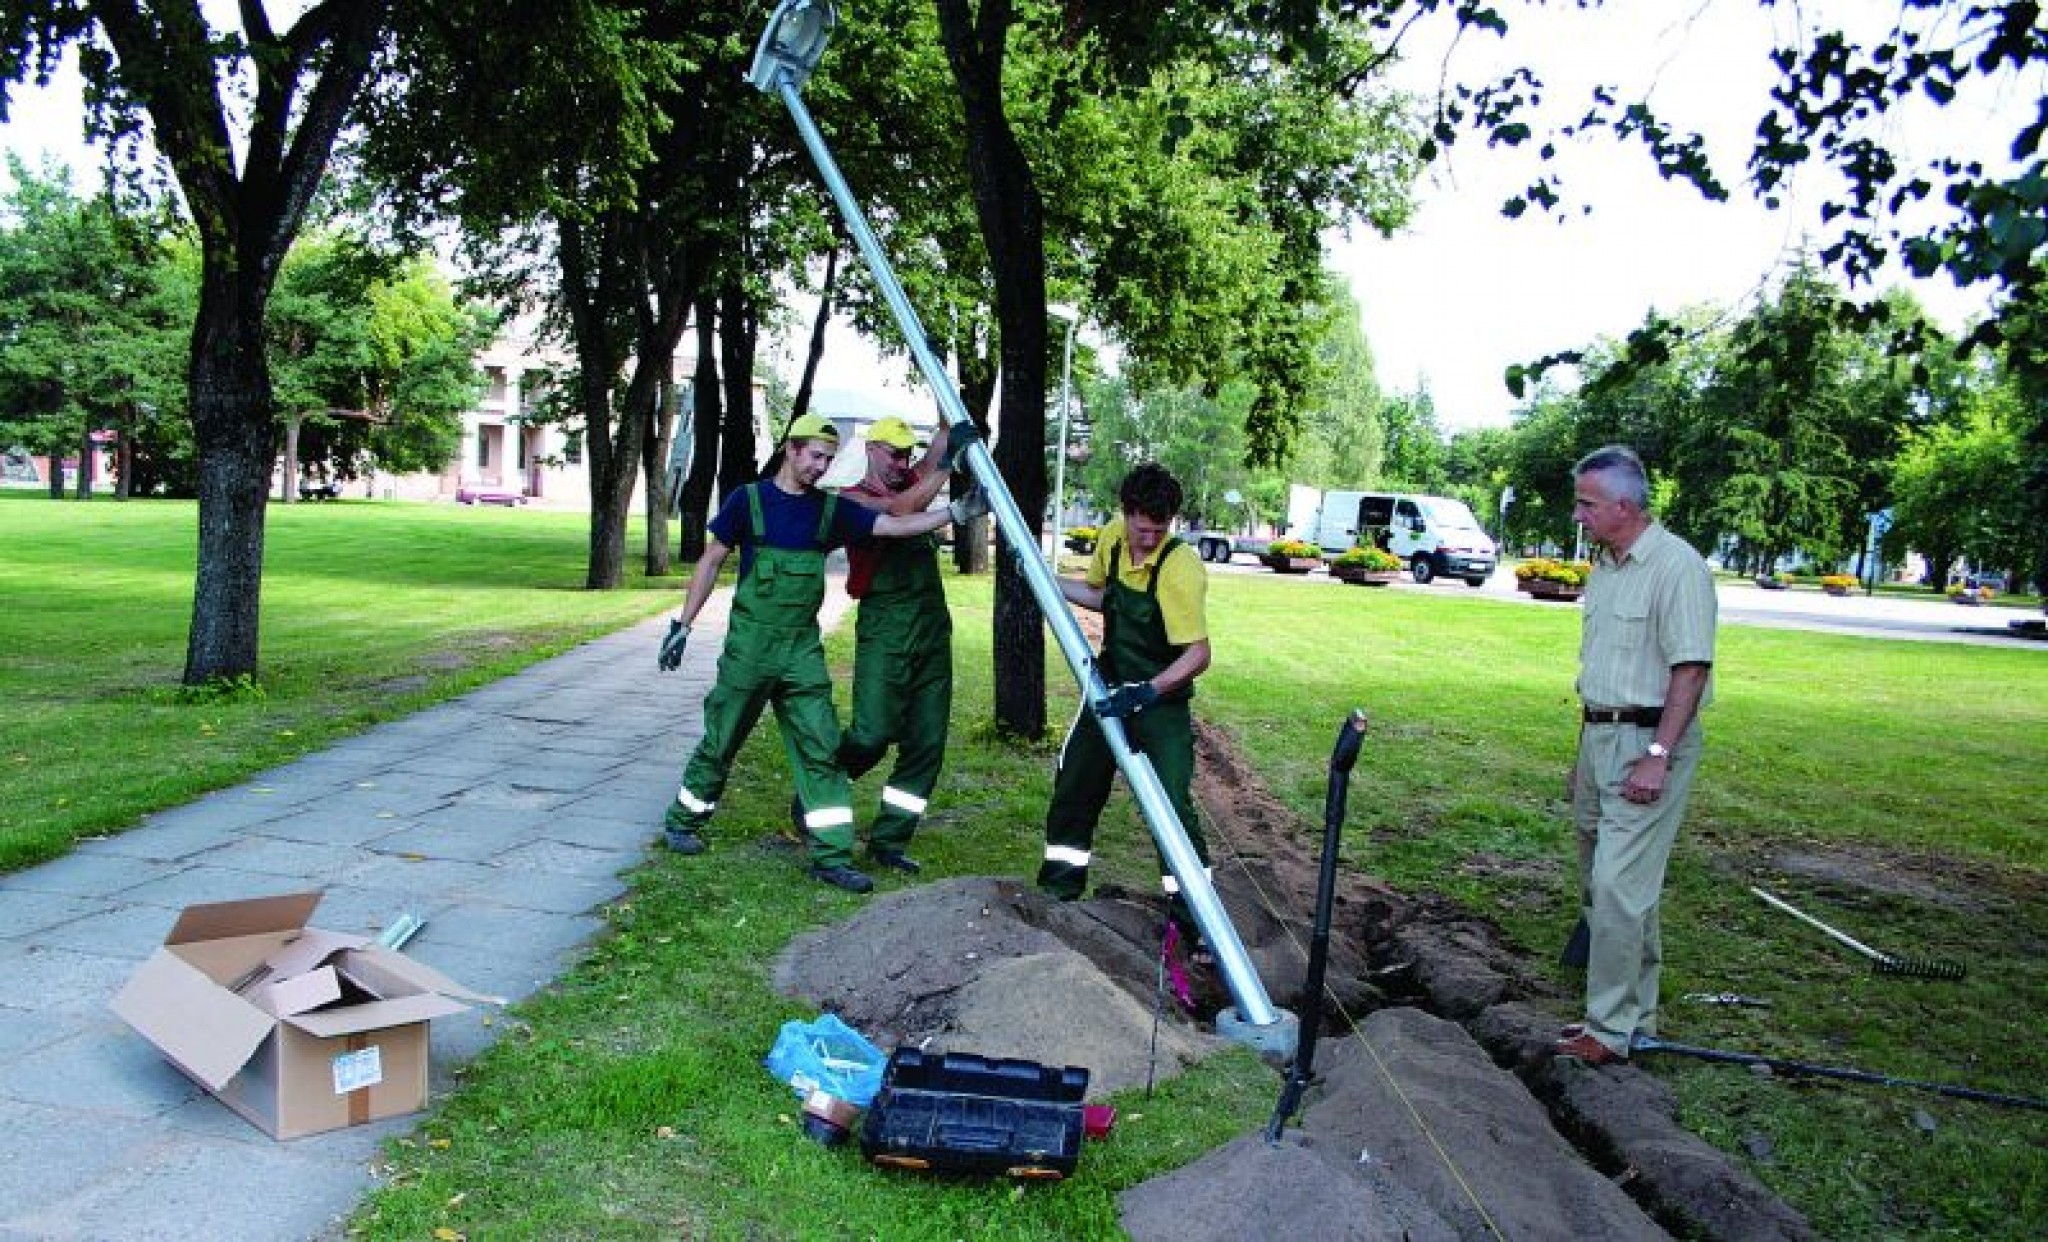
{"x":1569,"y":573}
{"x":1292,"y":548}
{"x":1369,"y":558}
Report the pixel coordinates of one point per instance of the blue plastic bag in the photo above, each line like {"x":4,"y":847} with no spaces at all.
{"x":827,"y":1055}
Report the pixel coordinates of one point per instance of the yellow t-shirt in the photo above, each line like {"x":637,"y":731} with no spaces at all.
{"x":1183,"y":586}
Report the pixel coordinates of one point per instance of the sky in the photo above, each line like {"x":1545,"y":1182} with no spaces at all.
{"x":1462,"y":293}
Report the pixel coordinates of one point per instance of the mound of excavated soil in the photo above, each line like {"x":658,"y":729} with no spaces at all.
{"x":1415,"y":1126}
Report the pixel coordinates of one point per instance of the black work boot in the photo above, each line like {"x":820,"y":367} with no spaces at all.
{"x":682,"y":840}
{"x":843,"y":877}
{"x":894,"y":860}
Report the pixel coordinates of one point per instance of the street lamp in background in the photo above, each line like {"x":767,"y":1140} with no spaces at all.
{"x":1072,"y":318}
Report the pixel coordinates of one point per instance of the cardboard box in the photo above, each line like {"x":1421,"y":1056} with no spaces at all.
{"x":297,"y":1029}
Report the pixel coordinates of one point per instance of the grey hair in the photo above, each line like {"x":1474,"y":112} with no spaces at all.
{"x":1626,"y":478}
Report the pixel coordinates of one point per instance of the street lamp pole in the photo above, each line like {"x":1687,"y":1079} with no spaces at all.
{"x":1072,"y":318}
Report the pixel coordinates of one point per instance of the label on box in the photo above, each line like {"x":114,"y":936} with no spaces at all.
{"x":355,"y":1070}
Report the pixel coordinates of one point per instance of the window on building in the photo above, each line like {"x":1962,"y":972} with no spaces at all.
{"x":483,"y":448}
{"x":572,"y":448}
{"x":495,"y":376}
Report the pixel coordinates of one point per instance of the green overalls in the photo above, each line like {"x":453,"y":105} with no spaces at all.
{"x":773,"y":655}
{"x":1134,"y":648}
{"x":902,"y":684}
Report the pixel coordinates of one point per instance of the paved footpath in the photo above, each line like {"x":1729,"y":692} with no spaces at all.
{"x":503,"y":819}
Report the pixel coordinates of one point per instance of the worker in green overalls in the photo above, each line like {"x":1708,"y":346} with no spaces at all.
{"x":903,"y":642}
{"x":773,"y":656}
{"x":1152,"y":591}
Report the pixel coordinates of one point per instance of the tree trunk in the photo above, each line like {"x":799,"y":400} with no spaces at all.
{"x":124,"y":463}
{"x":1012,"y":218}
{"x":737,"y":465}
{"x":654,"y":480}
{"x":977,"y":373}
{"x":705,"y":418}
{"x":235,"y":428}
{"x":85,"y":462}
{"x":288,"y":487}
{"x":56,"y":479}
{"x":816,"y":353}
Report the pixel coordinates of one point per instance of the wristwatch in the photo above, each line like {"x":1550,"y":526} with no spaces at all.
{"x":1657,"y":750}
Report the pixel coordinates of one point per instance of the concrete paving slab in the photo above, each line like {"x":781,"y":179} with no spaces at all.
{"x":190,"y":836}
{"x":105,"y":1071}
{"x":24,"y":1030}
{"x":66,"y":1156}
{"x":366,"y":912}
{"x":492,"y":971}
{"x":568,"y":859}
{"x":478,"y":925}
{"x":198,"y":885}
{"x":62,"y":981}
{"x":324,"y":826}
{"x":463,"y":770}
{"x":84,"y":875}
{"x":415,"y":880}
{"x":482,"y":819}
{"x":604,"y":824}
{"x":131,"y":932}
{"x":434,"y":837}
{"x":24,"y":911}
{"x":538,"y":890}
{"x":267,"y":855}
{"x":511,"y":795}
{"x":188,"y":1189}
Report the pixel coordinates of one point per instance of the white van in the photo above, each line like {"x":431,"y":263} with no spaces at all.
{"x":1433,"y":534}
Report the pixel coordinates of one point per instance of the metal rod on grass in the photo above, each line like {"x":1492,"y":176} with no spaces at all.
{"x":1644,"y":1043}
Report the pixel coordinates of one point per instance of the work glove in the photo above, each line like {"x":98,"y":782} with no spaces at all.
{"x":973,"y":505}
{"x":672,"y":646}
{"x":958,"y":436}
{"x":1128,"y":699}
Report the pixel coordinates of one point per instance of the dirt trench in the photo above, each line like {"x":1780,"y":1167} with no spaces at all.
{"x":1436,"y":1110}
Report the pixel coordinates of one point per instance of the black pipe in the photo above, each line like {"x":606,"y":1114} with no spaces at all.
{"x":1349,"y":739}
{"x":1645,"y":1044}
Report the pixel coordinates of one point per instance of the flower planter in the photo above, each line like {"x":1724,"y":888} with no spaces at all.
{"x":1968,"y":598}
{"x":1291,"y":564}
{"x":1080,"y":545}
{"x":1769,"y":583}
{"x":1834,"y":590}
{"x":1545,"y":588}
{"x":1364,"y":577}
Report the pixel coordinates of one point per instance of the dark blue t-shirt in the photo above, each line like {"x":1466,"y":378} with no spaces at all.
{"x":788,"y":521}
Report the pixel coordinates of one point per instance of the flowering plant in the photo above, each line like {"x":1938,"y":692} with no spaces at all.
{"x":1369,"y":558}
{"x":1293,"y":548}
{"x":1546,"y":569}
{"x":1839,"y":582}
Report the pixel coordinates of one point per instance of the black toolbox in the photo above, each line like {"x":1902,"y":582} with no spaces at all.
{"x":956,"y":1112}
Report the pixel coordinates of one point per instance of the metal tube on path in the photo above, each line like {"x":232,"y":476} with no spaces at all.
{"x":788,"y":51}
{"x":1643,"y":1043}
{"x":1302,"y":1070}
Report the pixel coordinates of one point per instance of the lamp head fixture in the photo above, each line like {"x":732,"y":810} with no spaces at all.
{"x":793,"y":44}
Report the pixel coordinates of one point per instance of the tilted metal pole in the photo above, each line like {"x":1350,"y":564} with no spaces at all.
{"x":788,"y":52}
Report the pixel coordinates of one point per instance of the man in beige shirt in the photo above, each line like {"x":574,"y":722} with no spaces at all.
{"x":1646,"y":659}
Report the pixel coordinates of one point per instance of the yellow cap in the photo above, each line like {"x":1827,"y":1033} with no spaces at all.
{"x":813,"y":427}
{"x":893,"y":432}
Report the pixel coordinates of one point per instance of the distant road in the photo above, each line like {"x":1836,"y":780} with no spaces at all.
{"x":1875,"y":616}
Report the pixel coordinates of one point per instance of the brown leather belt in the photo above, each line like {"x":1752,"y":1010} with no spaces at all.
{"x":1644,"y":716}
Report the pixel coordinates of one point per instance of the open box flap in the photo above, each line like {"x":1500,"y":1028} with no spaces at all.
{"x":379,"y":969}
{"x":301,"y":992}
{"x":206,"y":1030}
{"x":376,"y":1015}
{"x":311,"y":949}
{"x":255,"y":916}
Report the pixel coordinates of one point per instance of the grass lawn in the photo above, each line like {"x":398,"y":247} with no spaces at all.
{"x":370,"y":611}
{"x":629,"y":1102}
